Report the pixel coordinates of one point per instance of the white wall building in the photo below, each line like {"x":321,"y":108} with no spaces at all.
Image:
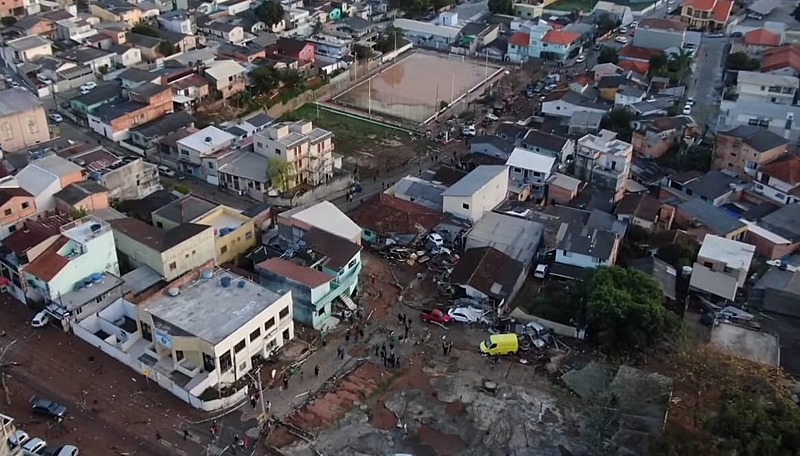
{"x":752,"y":85}
{"x":478,"y":192}
{"x":309,"y":149}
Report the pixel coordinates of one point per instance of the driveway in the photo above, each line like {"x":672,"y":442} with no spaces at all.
{"x":706,"y":83}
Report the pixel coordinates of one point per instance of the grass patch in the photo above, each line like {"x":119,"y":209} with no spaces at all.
{"x":351,"y":133}
{"x":640,"y":6}
{"x":571,"y":5}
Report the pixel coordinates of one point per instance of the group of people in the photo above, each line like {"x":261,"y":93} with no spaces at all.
{"x":388,"y":357}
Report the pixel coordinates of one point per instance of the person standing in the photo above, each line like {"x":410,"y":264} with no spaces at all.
{"x":316,"y":371}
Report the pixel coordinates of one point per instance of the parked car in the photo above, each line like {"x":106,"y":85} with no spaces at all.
{"x":634,"y":24}
{"x":35,"y":445}
{"x":716,"y":35}
{"x":434,"y":241}
{"x":541,"y":271}
{"x":18,"y":438}
{"x":690,"y":101}
{"x":580,"y":59}
{"x":621,"y":40}
{"x":164,"y":171}
{"x":88,"y":86}
{"x":40,"y":320}
{"x":467,"y":315}
{"x":468,"y":130}
{"x":56,"y":117}
{"x":67,"y":450}
{"x":435,"y":316}
{"x":492,"y":117}
{"x":687,"y":110}
{"x":47,"y":407}
{"x":623,"y":30}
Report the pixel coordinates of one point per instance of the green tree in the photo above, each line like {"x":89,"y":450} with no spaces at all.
{"x":740,"y":61}
{"x":265,"y":79}
{"x":678,"y":254}
{"x":362,"y":52}
{"x":391,"y":39}
{"x":658,"y":63}
{"x":269,"y":12}
{"x":625,"y":313}
{"x":605,"y":24}
{"x":619,"y":120}
{"x":291,"y":79}
{"x":281,"y":173}
{"x":145,"y":29}
{"x":79,"y":213}
{"x":501,"y":7}
{"x":8,"y":21}
{"x":166,"y":48}
{"x":607,"y":55}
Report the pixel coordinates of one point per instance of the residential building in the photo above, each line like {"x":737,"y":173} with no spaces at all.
{"x":756,"y":41}
{"x":418,"y":191}
{"x":659,"y":33}
{"x":78,"y":274}
{"x":302,"y":51}
{"x":74,"y":29}
{"x":714,"y":187}
{"x":426,"y":34}
{"x":294,"y":224}
{"x":25,"y":245}
{"x":665,"y":275}
{"x":23,"y":122}
{"x":528,"y":173}
{"x":548,"y":144}
{"x":782,"y":224}
{"x":169,"y":252}
{"x":783,"y":60}
{"x":655,"y":137}
{"x":567,"y":104}
{"x":222,"y":31}
{"x":542,"y":41}
{"x":706,"y":14}
{"x":205,"y":330}
{"x":309,"y":149}
{"x":726,"y":256}
{"x":82,"y":196}
{"x":779,"y":180}
{"x":487,"y":273}
{"x":516,"y":237}
{"x":605,"y":161}
{"x":331,"y":46}
{"x":46,"y":176}
{"x":643,"y":210}
{"x":744,"y":149}
{"x":228,"y":78}
{"x":587,"y":247}
{"x":178,"y":21}
{"x":326,"y":269}
{"x":491,"y":145}
{"x":384,"y":217}
{"x":773,"y":88}
{"x":561,"y":188}
{"x":478,"y":192}
{"x":7,"y":426}
{"x":246,"y":173}
{"x":147,"y":136}
{"x":117,"y":11}
{"x":769,"y":244}
{"x":16,"y":205}
{"x":511,"y":132}
{"x":776,"y":292}
{"x":194,"y":147}
{"x":617,"y":12}
{"x":700,"y":218}
{"x":25,"y":50}
{"x":145,"y":103}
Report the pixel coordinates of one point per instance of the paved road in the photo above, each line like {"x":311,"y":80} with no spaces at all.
{"x":707,"y":73}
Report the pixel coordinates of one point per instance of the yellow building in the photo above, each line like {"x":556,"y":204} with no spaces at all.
{"x":706,"y":14}
{"x":117,"y":11}
{"x":234,"y":233}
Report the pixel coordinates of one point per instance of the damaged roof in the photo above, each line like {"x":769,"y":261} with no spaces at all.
{"x":386,"y":214}
{"x":487,"y":270}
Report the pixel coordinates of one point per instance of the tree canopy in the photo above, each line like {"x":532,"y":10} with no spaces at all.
{"x":740,"y":61}
{"x":390,"y":38}
{"x":265,"y":79}
{"x":501,"y":7}
{"x":8,"y":21}
{"x":605,"y":24}
{"x":608,"y":55}
{"x":145,"y":29}
{"x":280,"y":172}
{"x":166,"y":48}
{"x":269,"y":12}
{"x":619,"y":120}
{"x":625,"y":313}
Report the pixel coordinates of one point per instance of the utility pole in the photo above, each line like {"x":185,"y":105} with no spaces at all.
{"x":3,"y":376}
{"x":260,"y":393}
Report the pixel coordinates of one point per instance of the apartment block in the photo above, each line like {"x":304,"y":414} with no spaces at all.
{"x":309,"y":149}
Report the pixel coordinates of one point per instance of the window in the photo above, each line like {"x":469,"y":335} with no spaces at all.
{"x":759,"y":187}
{"x":351,"y":264}
{"x":7,"y":212}
{"x":277,"y":151}
{"x":185,"y":152}
{"x":260,"y":145}
{"x":239,"y":347}
{"x":26,"y":205}
{"x":248,"y":235}
{"x":284,"y":313}
{"x":225,"y":362}
{"x":255,"y":334}
{"x":210,"y":165}
{"x":159,"y":225}
{"x":173,"y":266}
{"x":11,"y":229}
{"x":269,"y":325}
{"x":33,"y":128}
{"x":7,"y":131}
{"x":517,"y":170}
{"x":708,"y":264}
{"x":179,"y":354}
{"x":224,"y":249}
{"x":465,"y":205}
{"x":780,"y":196}
{"x":321,"y":311}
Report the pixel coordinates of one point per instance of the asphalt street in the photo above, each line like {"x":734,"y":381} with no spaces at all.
{"x":707,"y":73}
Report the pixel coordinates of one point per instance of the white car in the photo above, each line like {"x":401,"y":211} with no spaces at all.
{"x":634,"y":24}
{"x":621,"y":40}
{"x":467,"y":315}
{"x":8,"y":79}
{"x":67,"y":450}
{"x":468,"y":130}
{"x":164,"y":171}
{"x":40,"y":320}
{"x":687,"y":110}
{"x":56,"y":117}
{"x":435,"y":240}
{"x":492,"y":117}
{"x":88,"y":86}
{"x":623,"y":30}
{"x":18,"y":438}
{"x":580,"y":59}
{"x":690,"y":101}
{"x":541,"y":271}
{"x":35,"y":445}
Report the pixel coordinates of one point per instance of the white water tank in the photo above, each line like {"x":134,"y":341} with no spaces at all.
{"x":686,"y":271}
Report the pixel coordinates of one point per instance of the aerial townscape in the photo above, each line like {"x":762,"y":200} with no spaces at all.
{"x":400,"y":227}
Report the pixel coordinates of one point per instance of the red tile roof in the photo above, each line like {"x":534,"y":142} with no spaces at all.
{"x":785,"y":169}
{"x":560,"y":37}
{"x":305,"y":275}
{"x":9,"y":193}
{"x":702,"y":5}
{"x":722,"y":10}
{"x":639,"y":53}
{"x":49,"y":263}
{"x":635,"y":65}
{"x":34,"y":233}
{"x":385,"y":214}
{"x":520,"y":39}
{"x":781,"y":57}
{"x":762,"y":37}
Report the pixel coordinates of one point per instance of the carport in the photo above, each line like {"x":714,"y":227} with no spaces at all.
{"x":763,"y":7}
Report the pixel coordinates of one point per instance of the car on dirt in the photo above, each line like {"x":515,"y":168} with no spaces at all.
{"x":47,"y":407}
{"x":435,"y":316}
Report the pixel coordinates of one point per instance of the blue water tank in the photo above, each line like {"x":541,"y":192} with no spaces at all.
{"x":87,"y":280}
{"x":225,"y":282}
{"x":97,"y":277}
{"x":240,"y":284}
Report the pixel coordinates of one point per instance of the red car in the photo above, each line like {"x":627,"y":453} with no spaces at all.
{"x":435,"y":316}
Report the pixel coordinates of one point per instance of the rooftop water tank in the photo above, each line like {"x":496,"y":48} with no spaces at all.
{"x":174,"y":291}
{"x":95,"y":227}
{"x":97,"y":277}
{"x":686,"y":271}
{"x":240,"y":284}
{"x":207,"y":274}
{"x":225,"y":282}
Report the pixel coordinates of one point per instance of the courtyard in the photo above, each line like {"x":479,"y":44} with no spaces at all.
{"x":416,"y":87}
